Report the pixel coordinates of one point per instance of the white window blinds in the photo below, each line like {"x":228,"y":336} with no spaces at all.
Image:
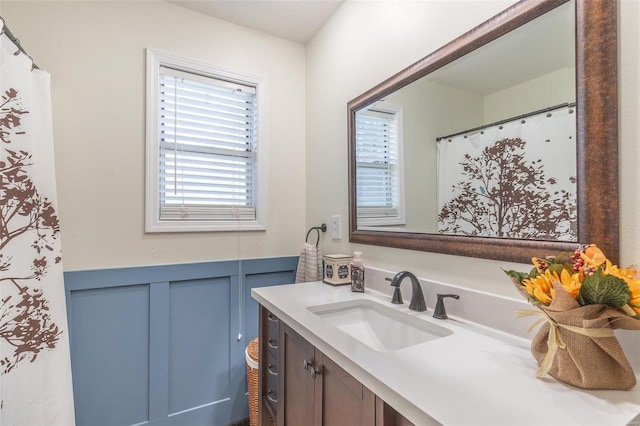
{"x":378,"y":190}
{"x":207,"y":148}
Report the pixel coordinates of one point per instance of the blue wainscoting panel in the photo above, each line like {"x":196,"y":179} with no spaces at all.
{"x":200,"y":344}
{"x":263,"y":279}
{"x":110,"y":348}
{"x":164,"y":345}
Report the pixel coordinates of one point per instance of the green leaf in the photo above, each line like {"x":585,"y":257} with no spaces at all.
{"x":516,"y":275}
{"x":604,"y":289}
{"x":556,"y":267}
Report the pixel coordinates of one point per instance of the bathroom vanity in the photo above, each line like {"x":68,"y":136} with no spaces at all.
{"x":332,"y":357}
{"x":302,"y":386}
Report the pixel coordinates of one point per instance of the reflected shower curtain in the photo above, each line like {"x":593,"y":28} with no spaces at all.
{"x":35,"y":369}
{"x":515,"y":180}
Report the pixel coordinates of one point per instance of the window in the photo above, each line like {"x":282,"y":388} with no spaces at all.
{"x":379,"y":190}
{"x":202,"y":147}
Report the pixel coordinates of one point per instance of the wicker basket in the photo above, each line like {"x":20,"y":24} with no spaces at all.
{"x":251,"y":354}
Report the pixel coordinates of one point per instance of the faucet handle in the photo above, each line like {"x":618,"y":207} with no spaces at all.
{"x":440,"y":311}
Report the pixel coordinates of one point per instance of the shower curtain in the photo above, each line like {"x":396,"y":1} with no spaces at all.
{"x":35,"y":368}
{"x":515,"y":180}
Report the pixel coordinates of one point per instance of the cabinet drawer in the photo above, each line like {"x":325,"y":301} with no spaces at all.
{"x":272,"y":364}
{"x":272,"y":332}
{"x":272,"y":375}
{"x":271,"y":397}
{"x":272,"y":345}
{"x":273,"y":321}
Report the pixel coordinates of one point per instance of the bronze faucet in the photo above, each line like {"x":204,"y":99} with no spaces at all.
{"x":417,"y":298}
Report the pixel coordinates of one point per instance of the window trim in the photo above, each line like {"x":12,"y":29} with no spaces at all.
{"x":366,"y":220}
{"x":155,"y":59}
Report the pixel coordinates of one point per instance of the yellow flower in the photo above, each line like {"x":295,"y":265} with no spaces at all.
{"x":634,"y":301}
{"x":624,"y":273}
{"x":630,"y":276}
{"x":539,"y":288}
{"x":587,"y":262}
{"x":570,"y":282}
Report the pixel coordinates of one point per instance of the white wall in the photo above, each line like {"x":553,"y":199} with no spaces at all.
{"x":95,"y":52}
{"x":344,"y":60}
{"x":554,"y":88}
{"x":629,"y":129}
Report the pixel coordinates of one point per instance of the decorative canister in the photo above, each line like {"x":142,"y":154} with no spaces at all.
{"x":337,"y":269}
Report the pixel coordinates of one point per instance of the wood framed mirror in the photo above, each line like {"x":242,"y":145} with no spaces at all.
{"x":596,"y":144}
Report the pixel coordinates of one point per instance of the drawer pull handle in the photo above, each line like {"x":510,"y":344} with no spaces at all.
{"x":272,"y":318}
{"x":270,"y":398}
{"x":314,"y":372}
{"x":273,"y":344}
{"x":270,"y":369}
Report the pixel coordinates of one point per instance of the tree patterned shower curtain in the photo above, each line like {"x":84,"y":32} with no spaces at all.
{"x":35,"y":368}
{"x":515,"y":180}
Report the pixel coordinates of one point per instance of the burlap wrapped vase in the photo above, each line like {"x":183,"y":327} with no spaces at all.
{"x":576,"y":344}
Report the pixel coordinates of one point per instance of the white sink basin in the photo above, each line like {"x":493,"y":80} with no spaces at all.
{"x":380,"y":327}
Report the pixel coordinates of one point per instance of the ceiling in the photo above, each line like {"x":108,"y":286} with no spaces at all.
{"x":295,"y":20}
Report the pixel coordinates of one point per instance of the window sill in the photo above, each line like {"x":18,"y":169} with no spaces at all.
{"x":204,"y":226}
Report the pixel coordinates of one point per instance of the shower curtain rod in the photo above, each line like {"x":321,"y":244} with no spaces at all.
{"x":519,"y":117}
{"x":14,"y":40}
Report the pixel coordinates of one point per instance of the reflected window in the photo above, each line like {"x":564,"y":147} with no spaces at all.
{"x":379,"y":190}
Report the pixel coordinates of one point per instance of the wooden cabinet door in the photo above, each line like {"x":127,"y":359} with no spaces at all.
{"x":315,"y":391}
{"x":296,"y":384}
{"x":339,"y":398}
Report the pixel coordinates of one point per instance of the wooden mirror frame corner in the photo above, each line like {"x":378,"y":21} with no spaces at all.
{"x":597,"y":136}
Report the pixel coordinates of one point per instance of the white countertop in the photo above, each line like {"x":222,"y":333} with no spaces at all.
{"x":475,"y":376}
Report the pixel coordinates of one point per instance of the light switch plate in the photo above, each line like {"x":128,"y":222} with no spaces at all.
{"x":336,"y":231}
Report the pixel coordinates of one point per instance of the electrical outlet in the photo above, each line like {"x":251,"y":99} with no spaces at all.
{"x":336,"y":231}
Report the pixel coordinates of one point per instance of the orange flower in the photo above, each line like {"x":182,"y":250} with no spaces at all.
{"x":593,"y":257}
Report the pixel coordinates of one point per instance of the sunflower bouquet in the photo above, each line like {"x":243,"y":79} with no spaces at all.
{"x":581,"y":298}
{"x":587,"y":275}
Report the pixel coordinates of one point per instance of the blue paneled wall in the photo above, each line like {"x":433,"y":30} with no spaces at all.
{"x":164,"y":345}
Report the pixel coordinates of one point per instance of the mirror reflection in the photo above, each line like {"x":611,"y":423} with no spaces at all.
{"x":484,"y":146}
